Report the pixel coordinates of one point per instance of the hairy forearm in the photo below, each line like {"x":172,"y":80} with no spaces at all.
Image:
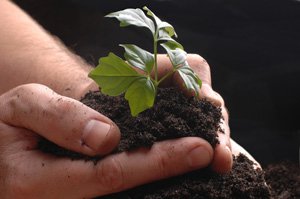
{"x":28,"y":54}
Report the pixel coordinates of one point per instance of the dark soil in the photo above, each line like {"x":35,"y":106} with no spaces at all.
{"x":242,"y":182}
{"x":174,"y":116}
{"x":284,"y":180}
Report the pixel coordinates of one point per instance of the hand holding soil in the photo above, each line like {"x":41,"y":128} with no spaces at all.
{"x":31,"y":112}
{"x":222,"y":158}
{"x":222,"y":161}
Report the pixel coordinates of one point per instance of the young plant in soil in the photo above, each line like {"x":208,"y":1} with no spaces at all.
{"x":116,"y":76}
{"x":172,"y":116}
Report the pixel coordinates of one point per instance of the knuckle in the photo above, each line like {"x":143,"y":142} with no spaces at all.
{"x":110,"y":175}
{"x":13,"y":103}
{"x":200,"y":67}
{"x":211,"y":95}
{"x":20,"y":101}
{"x":198,"y":61}
{"x":27,"y":89}
{"x":9,"y":108}
{"x":196,"y":57}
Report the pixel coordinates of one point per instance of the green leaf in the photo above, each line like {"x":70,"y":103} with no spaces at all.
{"x":116,"y":76}
{"x":138,"y":57}
{"x":176,"y":55}
{"x":190,"y":79}
{"x":113,"y":75}
{"x":134,"y":17}
{"x":140,"y":95}
{"x":161,"y":24}
{"x":164,"y":36}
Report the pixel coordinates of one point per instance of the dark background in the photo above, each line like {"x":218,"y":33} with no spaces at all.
{"x":252,"y":46}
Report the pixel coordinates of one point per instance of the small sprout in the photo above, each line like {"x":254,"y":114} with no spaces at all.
{"x":115,"y":75}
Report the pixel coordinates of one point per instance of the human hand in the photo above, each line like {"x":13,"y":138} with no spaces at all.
{"x":31,"y":111}
{"x":222,"y":156}
{"x":222,"y":161}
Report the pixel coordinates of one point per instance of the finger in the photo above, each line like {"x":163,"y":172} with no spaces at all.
{"x":208,"y":93}
{"x":200,"y":67}
{"x":163,"y":160}
{"x":222,"y":161}
{"x":62,"y":120}
{"x":197,"y":63}
{"x":128,"y":169}
{"x":215,"y":98}
{"x":237,"y":149}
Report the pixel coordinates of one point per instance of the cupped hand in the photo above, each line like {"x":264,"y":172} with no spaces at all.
{"x":32,"y":111}
{"x":222,"y":156}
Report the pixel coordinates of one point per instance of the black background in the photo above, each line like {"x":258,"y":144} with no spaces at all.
{"x":252,"y":46}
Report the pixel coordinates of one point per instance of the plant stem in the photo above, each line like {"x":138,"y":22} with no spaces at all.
{"x":155,"y":56}
{"x":167,"y":75}
{"x":175,"y":68}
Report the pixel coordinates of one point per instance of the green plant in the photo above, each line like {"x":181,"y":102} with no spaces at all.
{"x":116,"y":76}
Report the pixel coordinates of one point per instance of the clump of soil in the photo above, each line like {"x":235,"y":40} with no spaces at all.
{"x":174,"y":116}
{"x":284,"y":180}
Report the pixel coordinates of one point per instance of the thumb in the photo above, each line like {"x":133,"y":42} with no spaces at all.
{"x":62,"y":120}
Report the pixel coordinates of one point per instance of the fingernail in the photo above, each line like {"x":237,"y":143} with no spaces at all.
{"x":199,"y":157}
{"x":94,"y":133}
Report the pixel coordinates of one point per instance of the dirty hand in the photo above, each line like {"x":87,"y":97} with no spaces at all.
{"x":222,"y":156}
{"x":31,"y":111}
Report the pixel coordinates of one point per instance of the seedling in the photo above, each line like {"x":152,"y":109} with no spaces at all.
{"x":115,"y":75}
